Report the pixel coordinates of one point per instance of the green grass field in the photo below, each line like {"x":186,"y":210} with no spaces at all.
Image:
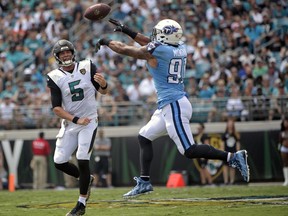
{"x":252,"y":200}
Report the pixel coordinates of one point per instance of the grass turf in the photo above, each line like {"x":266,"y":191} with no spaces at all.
{"x":225,"y":200}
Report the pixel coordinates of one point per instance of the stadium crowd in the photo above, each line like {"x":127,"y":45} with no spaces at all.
{"x":237,"y":61}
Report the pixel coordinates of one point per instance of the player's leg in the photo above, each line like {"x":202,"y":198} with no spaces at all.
{"x":86,"y":140}
{"x":177,"y":117}
{"x":66,"y":144}
{"x":152,"y":130}
{"x":86,"y":137}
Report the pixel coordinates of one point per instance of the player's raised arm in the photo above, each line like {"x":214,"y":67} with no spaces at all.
{"x":136,"y":36}
{"x":124,"y":49}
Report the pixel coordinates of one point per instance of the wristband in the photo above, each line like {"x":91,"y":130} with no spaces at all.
{"x":129,"y":32}
{"x":105,"y":87}
{"x":75,"y":119}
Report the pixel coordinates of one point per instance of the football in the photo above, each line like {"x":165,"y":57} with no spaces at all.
{"x":97,"y":11}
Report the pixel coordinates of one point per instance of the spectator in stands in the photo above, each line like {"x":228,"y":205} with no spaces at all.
{"x":77,"y":12}
{"x":41,"y":16}
{"x":279,"y":101}
{"x":202,"y":138}
{"x":234,"y":106}
{"x":284,"y":64}
{"x":39,"y":163}
{"x":247,"y":56}
{"x":283,"y":140}
{"x":32,"y":42}
{"x":55,"y":28}
{"x":102,"y":157}
{"x":205,"y":92}
{"x":266,"y":87}
{"x":107,"y":109}
{"x":261,"y":105}
{"x":21,"y":94}
{"x":222,"y":73}
{"x":147,"y":87}
{"x":254,"y":32}
{"x":284,"y":48}
{"x":248,"y":88}
{"x":219,"y":100}
{"x":246,"y":70}
{"x":5,"y":64}
{"x":237,"y":8}
{"x":234,"y":62}
{"x":212,"y":9}
{"x":259,"y":70}
{"x":133,"y":91}
{"x":231,"y":143}
{"x":191,"y":87}
{"x":200,"y":54}
{"x":9,"y":91}
{"x":273,"y":71}
{"x":7,"y":110}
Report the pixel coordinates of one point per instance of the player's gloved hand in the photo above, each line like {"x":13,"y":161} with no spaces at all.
{"x":122,"y":28}
{"x":102,"y":41}
{"x":119,"y":26}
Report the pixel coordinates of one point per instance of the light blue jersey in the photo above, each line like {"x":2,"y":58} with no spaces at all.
{"x":169,"y":73}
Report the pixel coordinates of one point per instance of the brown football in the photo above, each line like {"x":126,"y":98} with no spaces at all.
{"x":97,"y":11}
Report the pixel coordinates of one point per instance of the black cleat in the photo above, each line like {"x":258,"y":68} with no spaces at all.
{"x":79,"y":209}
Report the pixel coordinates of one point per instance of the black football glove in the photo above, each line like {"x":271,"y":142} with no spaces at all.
{"x":122,"y":28}
{"x":102,"y":41}
{"x":119,"y":26}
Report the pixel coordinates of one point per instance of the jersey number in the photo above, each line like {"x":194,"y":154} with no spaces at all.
{"x":177,"y":70}
{"x":78,"y":93}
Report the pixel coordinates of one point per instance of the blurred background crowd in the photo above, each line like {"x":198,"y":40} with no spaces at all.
{"x":237,"y":61}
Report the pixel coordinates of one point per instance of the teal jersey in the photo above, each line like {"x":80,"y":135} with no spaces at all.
{"x":170,"y":71}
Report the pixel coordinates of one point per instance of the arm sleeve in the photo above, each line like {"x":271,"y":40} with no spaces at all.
{"x":56,"y":96}
{"x":93,"y":70}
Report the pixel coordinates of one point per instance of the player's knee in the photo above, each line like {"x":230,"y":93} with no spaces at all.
{"x":144,"y":141}
{"x":60,"y":166}
{"x":190,"y":153}
{"x":83,"y":164}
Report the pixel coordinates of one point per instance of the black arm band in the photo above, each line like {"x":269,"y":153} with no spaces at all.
{"x":129,"y":32}
{"x":105,"y":87}
{"x":75,"y":119}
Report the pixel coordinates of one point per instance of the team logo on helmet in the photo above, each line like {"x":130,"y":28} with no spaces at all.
{"x":168,"y":30}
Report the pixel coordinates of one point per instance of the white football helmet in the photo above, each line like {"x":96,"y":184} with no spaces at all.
{"x":167,"y":31}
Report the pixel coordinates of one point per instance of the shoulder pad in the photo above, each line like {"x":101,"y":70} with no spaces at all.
{"x":55,"y":75}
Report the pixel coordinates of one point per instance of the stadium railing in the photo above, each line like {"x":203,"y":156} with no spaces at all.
{"x":138,"y":113}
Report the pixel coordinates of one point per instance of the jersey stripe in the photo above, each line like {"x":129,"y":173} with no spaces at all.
{"x":176,"y":113}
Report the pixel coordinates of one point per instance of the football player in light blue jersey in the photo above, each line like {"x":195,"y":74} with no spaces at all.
{"x":169,"y":73}
{"x":166,"y":61}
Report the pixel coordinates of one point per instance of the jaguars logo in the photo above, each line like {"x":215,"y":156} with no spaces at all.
{"x":214,"y":167}
{"x":168,"y":30}
{"x":83,"y":71}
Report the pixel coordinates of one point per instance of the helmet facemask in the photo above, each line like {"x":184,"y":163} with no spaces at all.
{"x":60,"y":46}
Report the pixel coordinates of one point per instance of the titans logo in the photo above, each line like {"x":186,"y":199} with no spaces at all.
{"x":168,"y":30}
